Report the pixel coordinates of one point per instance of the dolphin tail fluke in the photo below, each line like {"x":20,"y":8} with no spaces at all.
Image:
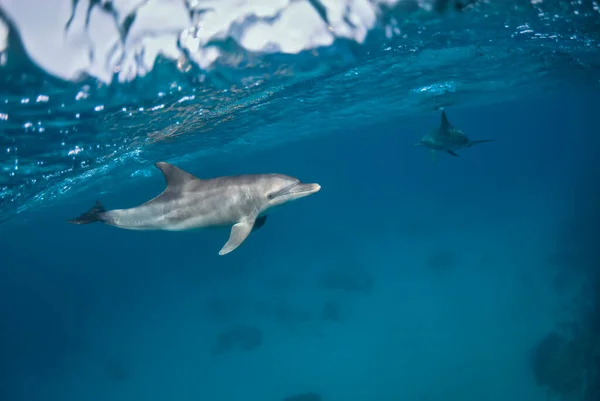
{"x":471,"y":143}
{"x":91,"y":216}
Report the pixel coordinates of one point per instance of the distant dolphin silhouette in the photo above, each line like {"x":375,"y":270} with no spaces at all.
{"x":446,"y":138}
{"x":189,"y":203}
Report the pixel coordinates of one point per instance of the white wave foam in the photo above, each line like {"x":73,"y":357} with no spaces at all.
{"x":3,"y":36}
{"x":95,"y":43}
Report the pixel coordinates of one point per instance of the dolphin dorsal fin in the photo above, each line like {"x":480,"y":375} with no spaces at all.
{"x":174,"y":176}
{"x":445,"y":124}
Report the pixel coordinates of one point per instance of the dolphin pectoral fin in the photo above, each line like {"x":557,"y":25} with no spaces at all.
{"x":452,"y":153}
{"x":433,"y":155}
{"x":239,"y":233}
{"x":259,"y":222}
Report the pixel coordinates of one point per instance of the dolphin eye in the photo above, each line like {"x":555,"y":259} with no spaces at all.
{"x":271,"y":195}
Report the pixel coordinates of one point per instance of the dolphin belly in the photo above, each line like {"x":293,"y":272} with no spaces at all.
{"x":154,"y":218}
{"x":134,"y":219}
{"x":437,"y":146}
{"x":174,"y":216}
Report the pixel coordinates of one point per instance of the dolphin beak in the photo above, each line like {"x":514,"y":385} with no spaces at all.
{"x":305,"y":189}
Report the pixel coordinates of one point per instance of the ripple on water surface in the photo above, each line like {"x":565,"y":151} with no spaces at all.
{"x":58,"y":138}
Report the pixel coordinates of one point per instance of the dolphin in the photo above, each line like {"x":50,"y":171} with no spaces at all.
{"x":446,"y":138}
{"x":189,"y":202}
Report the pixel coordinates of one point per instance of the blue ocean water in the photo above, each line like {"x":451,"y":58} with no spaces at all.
{"x":471,"y":278}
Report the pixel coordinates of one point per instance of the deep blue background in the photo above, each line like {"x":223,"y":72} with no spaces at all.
{"x":74,"y":297}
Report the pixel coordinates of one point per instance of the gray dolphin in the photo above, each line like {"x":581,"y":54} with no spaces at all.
{"x":189,"y":202}
{"x":446,"y":138}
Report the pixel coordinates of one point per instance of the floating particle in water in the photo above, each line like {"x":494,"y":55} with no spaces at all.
{"x":75,"y":151}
